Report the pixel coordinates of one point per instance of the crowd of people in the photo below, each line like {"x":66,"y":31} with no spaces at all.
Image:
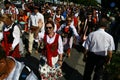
{"x":51,"y":31}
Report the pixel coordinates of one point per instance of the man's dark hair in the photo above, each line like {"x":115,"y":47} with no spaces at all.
{"x":103,"y":22}
{"x":2,"y":53}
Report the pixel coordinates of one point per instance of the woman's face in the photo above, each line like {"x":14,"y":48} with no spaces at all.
{"x":68,"y":20}
{"x":49,"y":28}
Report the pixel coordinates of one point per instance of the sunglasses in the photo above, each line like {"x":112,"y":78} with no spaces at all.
{"x":48,"y":27}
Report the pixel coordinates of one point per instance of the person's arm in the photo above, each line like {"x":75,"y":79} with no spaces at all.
{"x":86,"y":46}
{"x":60,"y":60}
{"x":16,"y":35}
{"x":62,"y":18}
{"x":109,"y":56}
{"x":110,"y":49}
{"x":85,"y":55}
{"x":75,"y":32}
{"x":60,"y":57}
{"x":60,"y":51}
{"x":59,"y":31}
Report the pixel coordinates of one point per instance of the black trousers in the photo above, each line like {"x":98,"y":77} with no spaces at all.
{"x":94,"y":63}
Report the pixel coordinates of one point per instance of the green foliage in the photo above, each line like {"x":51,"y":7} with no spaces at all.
{"x":114,"y":68}
{"x":84,"y":2}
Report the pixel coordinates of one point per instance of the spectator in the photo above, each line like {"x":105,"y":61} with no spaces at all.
{"x":115,"y":30}
{"x":98,"y":51}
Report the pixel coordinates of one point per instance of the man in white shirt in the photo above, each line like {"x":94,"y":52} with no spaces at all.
{"x":98,"y":51}
{"x":36,"y":25}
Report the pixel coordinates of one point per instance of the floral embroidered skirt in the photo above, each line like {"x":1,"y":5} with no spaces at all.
{"x":49,"y":73}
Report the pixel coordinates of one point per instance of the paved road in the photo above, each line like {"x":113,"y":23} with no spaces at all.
{"x":73,"y":66}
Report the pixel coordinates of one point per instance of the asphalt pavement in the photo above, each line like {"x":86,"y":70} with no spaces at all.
{"x":73,"y":67}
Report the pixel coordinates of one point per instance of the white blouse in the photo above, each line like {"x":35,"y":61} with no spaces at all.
{"x":16,"y":35}
{"x":51,"y":40}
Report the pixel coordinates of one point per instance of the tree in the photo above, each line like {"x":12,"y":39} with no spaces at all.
{"x":84,"y":2}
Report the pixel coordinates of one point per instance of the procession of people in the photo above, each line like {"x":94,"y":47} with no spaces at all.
{"x":52,"y":31}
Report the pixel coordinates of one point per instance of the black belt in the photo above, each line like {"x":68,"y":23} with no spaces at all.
{"x":92,"y":53}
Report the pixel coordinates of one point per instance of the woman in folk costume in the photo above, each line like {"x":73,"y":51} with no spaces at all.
{"x":58,"y":18}
{"x":53,"y":51}
{"x":67,"y":31}
{"x":11,"y":9}
{"x":11,"y":36}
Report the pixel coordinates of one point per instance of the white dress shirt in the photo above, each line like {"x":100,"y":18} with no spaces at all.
{"x":34,"y":19}
{"x":99,"y":42}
